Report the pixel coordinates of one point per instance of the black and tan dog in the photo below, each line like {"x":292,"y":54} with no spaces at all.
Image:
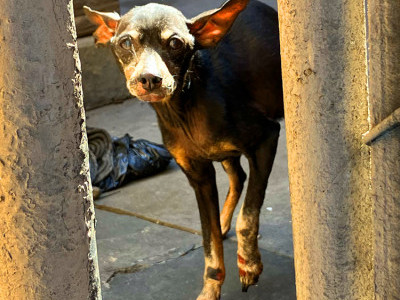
{"x":215,"y":85}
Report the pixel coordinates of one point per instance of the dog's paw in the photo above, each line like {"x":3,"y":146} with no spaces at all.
{"x":210,"y":291}
{"x":249,"y":271}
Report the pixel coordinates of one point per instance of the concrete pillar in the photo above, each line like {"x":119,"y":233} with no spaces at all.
{"x":324,"y":65}
{"x":47,"y":241}
{"x":384,"y":138}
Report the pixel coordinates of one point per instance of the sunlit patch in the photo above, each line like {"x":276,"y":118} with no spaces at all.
{"x":103,"y":34}
{"x":166,"y":34}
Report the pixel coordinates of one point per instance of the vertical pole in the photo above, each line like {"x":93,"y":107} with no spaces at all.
{"x":384,"y":86}
{"x":47,"y":241}
{"x":324,"y":67}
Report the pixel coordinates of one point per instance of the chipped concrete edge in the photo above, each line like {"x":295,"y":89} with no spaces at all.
{"x":93,"y":267}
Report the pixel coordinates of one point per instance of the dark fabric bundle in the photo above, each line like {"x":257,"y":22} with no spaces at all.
{"x":100,"y":154}
{"x":115,"y":161}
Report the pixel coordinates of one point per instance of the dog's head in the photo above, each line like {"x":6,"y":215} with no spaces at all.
{"x":154,"y":43}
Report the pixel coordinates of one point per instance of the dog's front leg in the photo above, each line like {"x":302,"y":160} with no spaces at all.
{"x":201,"y":175}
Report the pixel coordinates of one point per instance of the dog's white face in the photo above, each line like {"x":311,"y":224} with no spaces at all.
{"x":153,"y":44}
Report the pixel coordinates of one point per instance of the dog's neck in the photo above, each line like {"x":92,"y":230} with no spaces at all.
{"x":173,"y":112}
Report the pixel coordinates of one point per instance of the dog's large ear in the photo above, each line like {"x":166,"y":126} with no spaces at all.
{"x":107,"y":24}
{"x":209,"y":27}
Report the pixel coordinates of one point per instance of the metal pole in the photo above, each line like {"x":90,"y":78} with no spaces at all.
{"x":384,"y":87}
{"x":47,"y":241}
{"x":324,"y":66}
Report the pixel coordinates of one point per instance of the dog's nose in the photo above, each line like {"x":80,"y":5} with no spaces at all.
{"x":149,"y":81}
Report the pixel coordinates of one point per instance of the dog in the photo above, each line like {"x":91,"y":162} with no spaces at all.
{"x":215,"y":84}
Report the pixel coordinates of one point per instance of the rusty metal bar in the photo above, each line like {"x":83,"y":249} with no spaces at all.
{"x":389,"y":123}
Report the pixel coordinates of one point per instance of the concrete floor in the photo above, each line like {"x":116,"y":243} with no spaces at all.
{"x":140,"y":259}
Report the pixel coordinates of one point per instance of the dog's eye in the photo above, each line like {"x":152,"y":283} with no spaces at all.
{"x":175,"y":43}
{"x":126,"y":43}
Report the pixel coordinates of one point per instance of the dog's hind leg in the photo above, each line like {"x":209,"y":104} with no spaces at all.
{"x":247,"y":225}
{"x":201,"y":175}
{"x":237,"y":178}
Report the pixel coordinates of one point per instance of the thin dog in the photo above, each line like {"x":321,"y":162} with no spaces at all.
{"x":215,"y":84}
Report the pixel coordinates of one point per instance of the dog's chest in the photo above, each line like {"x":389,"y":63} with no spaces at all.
{"x":199,"y":140}
{"x":198,"y":132}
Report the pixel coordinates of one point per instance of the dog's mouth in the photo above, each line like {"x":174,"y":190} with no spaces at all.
{"x":151,"y":97}
{"x":155,"y":95}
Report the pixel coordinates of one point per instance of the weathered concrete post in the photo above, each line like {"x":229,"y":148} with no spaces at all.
{"x":47,"y":242}
{"x":323,"y":47}
{"x":384,"y":138}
